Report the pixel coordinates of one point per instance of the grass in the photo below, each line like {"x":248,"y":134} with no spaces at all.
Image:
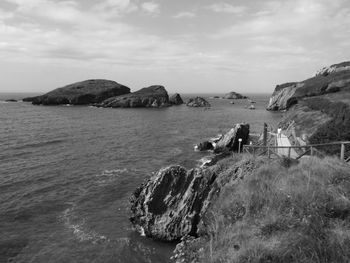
{"x":278,"y":214}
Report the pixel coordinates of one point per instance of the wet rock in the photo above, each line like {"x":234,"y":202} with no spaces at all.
{"x":234,"y":95}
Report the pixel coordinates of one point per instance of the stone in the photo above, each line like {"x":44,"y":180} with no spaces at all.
{"x":176,"y":99}
{"x":234,"y":95}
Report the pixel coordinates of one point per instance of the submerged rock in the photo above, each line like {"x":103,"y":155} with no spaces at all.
{"x":80,"y":93}
{"x":11,"y":100}
{"x":176,"y":99}
{"x":228,"y":141}
{"x":153,"y":96}
{"x":197,"y":102}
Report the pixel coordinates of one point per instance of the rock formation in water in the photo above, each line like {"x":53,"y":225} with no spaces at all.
{"x":81,"y":93}
{"x":153,"y":96}
{"x":176,"y":99}
{"x":11,"y":100}
{"x":197,"y":102}
{"x":228,"y":141}
{"x":170,"y":205}
{"x":234,"y":95}
{"x":318,"y":109}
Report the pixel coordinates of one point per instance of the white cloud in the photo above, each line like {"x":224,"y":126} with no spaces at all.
{"x":227,"y":8}
{"x":151,"y":7}
{"x":185,"y":15}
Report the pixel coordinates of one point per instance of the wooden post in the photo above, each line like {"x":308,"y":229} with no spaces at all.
{"x":312,"y":151}
{"x":289,"y":149}
{"x":239,"y":145}
{"x":268,"y":152}
{"x":342,"y":151}
{"x":265,"y":135}
{"x":254,"y":151}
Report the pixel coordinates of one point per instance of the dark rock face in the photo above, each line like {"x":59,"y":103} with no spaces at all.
{"x":234,"y":95}
{"x":171,"y":204}
{"x":228,"y":141}
{"x":81,"y":93}
{"x":153,"y":96}
{"x":335,"y":78}
{"x":176,"y":99}
{"x":198,"y":102}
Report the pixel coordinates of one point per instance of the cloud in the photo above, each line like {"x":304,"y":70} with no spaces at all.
{"x":227,"y":8}
{"x":151,"y":7}
{"x":185,"y":15}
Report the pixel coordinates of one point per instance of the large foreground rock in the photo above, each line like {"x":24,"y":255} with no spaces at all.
{"x":171,"y":204}
{"x":234,"y":95}
{"x":228,"y":141}
{"x":198,"y":102}
{"x":176,"y":99}
{"x":80,"y":93}
{"x":153,"y":96}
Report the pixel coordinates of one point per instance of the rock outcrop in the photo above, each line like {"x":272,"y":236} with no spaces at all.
{"x":198,"y":102}
{"x":335,"y":78}
{"x":176,"y":99}
{"x":11,"y":100}
{"x":234,"y":95}
{"x":81,"y":93}
{"x":171,"y":204}
{"x":153,"y":96}
{"x":317,"y":109}
{"x":228,"y":141}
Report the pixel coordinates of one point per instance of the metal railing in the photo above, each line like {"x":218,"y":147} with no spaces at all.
{"x":312,"y":149}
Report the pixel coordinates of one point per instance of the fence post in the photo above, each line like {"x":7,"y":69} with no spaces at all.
{"x":254,"y":151}
{"x":265,"y":135}
{"x":268,"y":152}
{"x":342,"y":151}
{"x":289,"y":149}
{"x":239,"y":145}
{"x":312,"y":151}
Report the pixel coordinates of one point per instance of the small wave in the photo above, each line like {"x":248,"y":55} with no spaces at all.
{"x":79,"y":230}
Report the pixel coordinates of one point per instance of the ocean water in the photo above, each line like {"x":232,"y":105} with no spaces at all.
{"x":66,"y":174}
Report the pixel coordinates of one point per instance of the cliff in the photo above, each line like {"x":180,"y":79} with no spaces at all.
{"x":319,"y":107}
{"x":80,"y":93}
{"x":153,"y":96}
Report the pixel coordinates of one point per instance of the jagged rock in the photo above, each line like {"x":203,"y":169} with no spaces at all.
{"x":197,"y":102}
{"x":335,"y":78}
{"x":153,"y":96}
{"x":80,"y":93}
{"x":228,"y":141}
{"x":176,"y":99}
{"x":172,"y":203}
{"x":234,"y":95}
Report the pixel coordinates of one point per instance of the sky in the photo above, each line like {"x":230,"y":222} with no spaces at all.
{"x":188,"y":46}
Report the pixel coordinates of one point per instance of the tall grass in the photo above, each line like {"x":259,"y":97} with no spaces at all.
{"x":278,"y":214}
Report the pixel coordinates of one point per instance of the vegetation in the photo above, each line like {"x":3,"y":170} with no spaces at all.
{"x":277,"y":214}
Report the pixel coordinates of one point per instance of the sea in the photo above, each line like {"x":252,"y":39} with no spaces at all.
{"x":67,"y":173}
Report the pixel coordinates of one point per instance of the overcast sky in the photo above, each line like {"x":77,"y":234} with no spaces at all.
{"x":189,"y":46}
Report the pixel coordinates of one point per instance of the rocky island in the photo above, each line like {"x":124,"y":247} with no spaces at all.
{"x":153,"y":96}
{"x":81,"y":93}
{"x":198,"y":102}
{"x":234,"y":95}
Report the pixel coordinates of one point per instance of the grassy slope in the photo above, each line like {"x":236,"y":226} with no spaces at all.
{"x":278,"y":214}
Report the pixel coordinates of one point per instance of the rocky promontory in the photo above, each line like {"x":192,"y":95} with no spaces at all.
{"x":153,"y":96}
{"x":81,"y":93}
{"x":317,"y":109}
{"x":198,"y":102}
{"x":228,"y":141}
{"x":234,"y":95}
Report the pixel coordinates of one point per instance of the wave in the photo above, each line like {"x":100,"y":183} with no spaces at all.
{"x":39,"y":144}
{"x":79,"y":230}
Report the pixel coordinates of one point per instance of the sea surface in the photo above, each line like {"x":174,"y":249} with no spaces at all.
{"x":67,"y":172}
